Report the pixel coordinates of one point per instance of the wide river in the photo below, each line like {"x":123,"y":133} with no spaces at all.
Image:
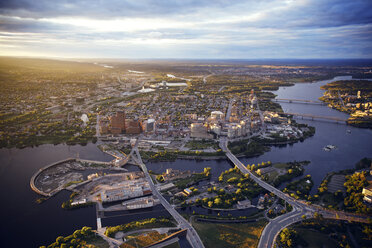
{"x":24,"y":223}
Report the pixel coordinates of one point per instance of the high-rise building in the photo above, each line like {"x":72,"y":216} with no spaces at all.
{"x":148,"y":126}
{"x":133,"y":127}
{"x":117,"y":122}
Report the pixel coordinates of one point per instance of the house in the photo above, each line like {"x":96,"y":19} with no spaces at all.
{"x":187,"y":191}
{"x":367,"y":193}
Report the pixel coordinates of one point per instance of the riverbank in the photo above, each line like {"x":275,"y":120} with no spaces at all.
{"x":351,"y":97}
{"x":66,"y":174}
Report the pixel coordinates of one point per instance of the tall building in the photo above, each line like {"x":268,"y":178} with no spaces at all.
{"x":149,"y":125}
{"x":218,"y":115}
{"x":198,"y":130}
{"x":133,"y":127}
{"x":117,"y":123}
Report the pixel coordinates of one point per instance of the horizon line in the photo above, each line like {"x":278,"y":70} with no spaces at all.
{"x":185,"y":59}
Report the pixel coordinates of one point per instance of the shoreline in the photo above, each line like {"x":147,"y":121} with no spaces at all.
{"x":58,"y":189}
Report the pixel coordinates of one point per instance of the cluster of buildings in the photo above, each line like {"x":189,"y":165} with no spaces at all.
{"x":217,"y":125}
{"x":195,"y":116}
{"x":284,"y":131}
{"x":234,"y":124}
{"x":359,"y":106}
{"x":119,"y":124}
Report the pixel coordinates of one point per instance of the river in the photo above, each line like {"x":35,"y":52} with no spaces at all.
{"x":25,"y":223}
{"x":351,"y":147}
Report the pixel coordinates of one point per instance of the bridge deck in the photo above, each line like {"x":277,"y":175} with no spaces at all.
{"x":316,"y":116}
{"x":298,"y":101}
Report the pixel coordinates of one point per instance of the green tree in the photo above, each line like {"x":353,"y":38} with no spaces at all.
{"x":218,"y":201}
{"x":60,"y":240}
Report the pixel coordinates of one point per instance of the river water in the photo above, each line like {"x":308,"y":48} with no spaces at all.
{"x":351,"y":147}
{"x":25,"y":223}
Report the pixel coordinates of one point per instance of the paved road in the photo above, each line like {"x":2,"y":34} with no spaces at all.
{"x":205,"y":78}
{"x":274,"y":227}
{"x":192,"y":235}
{"x":299,"y":207}
{"x":228,"y":112}
{"x":261,"y":116}
{"x":97,"y":127}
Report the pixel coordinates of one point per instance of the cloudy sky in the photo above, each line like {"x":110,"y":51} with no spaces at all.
{"x":187,"y":28}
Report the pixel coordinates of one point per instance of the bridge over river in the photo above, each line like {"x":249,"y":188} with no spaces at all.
{"x":298,"y":101}
{"x":319,"y":117}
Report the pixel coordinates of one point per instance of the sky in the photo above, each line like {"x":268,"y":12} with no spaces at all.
{"x":190,"y":29}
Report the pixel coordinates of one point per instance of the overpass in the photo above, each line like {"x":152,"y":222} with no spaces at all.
{"x":298,"y":101}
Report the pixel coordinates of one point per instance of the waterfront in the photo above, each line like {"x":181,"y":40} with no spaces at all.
{"x":351,"y":147}
{"x":23,"y":221}
{"x":39,"y":224}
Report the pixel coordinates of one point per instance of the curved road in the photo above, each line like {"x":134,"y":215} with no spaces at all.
{"x":300,"y":208}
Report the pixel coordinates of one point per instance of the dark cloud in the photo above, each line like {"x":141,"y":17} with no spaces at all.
{"x":316,"y":14}
{"x":203,"y":28}
{"x":106,"y":9}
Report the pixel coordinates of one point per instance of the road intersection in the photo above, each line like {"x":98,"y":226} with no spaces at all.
{"x":300,"y":208}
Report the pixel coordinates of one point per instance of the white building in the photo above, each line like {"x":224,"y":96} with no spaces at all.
{"x":128,"y":191}
{"x":218,"y":115}
{"x":149,"y":125}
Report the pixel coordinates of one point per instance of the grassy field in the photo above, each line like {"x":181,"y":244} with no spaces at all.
{"x":316,"y":239}
{"x":174,"y":245}
{"x":226,"y":177}
{"x":199,"y":145}
{"x":97,"y":242}
{"x":272,"y":175}
{"x":282,"y":165}
{"x":142,"y":240}
{"x":229,"y":235}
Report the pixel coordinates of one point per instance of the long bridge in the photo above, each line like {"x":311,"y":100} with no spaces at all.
{"x":191,"y":234}
{"x":298,"y":101}
{"x":321,"y":117}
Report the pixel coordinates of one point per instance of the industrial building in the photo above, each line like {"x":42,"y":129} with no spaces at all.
{"x":129,"y":190}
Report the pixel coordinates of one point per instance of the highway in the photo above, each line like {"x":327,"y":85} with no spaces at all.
{"x":192,"y":236}
{"x":300,"y":208}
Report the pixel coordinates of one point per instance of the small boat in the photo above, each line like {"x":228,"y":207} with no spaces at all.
{"x":328,"y":148}
{"x":348,"y":131}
